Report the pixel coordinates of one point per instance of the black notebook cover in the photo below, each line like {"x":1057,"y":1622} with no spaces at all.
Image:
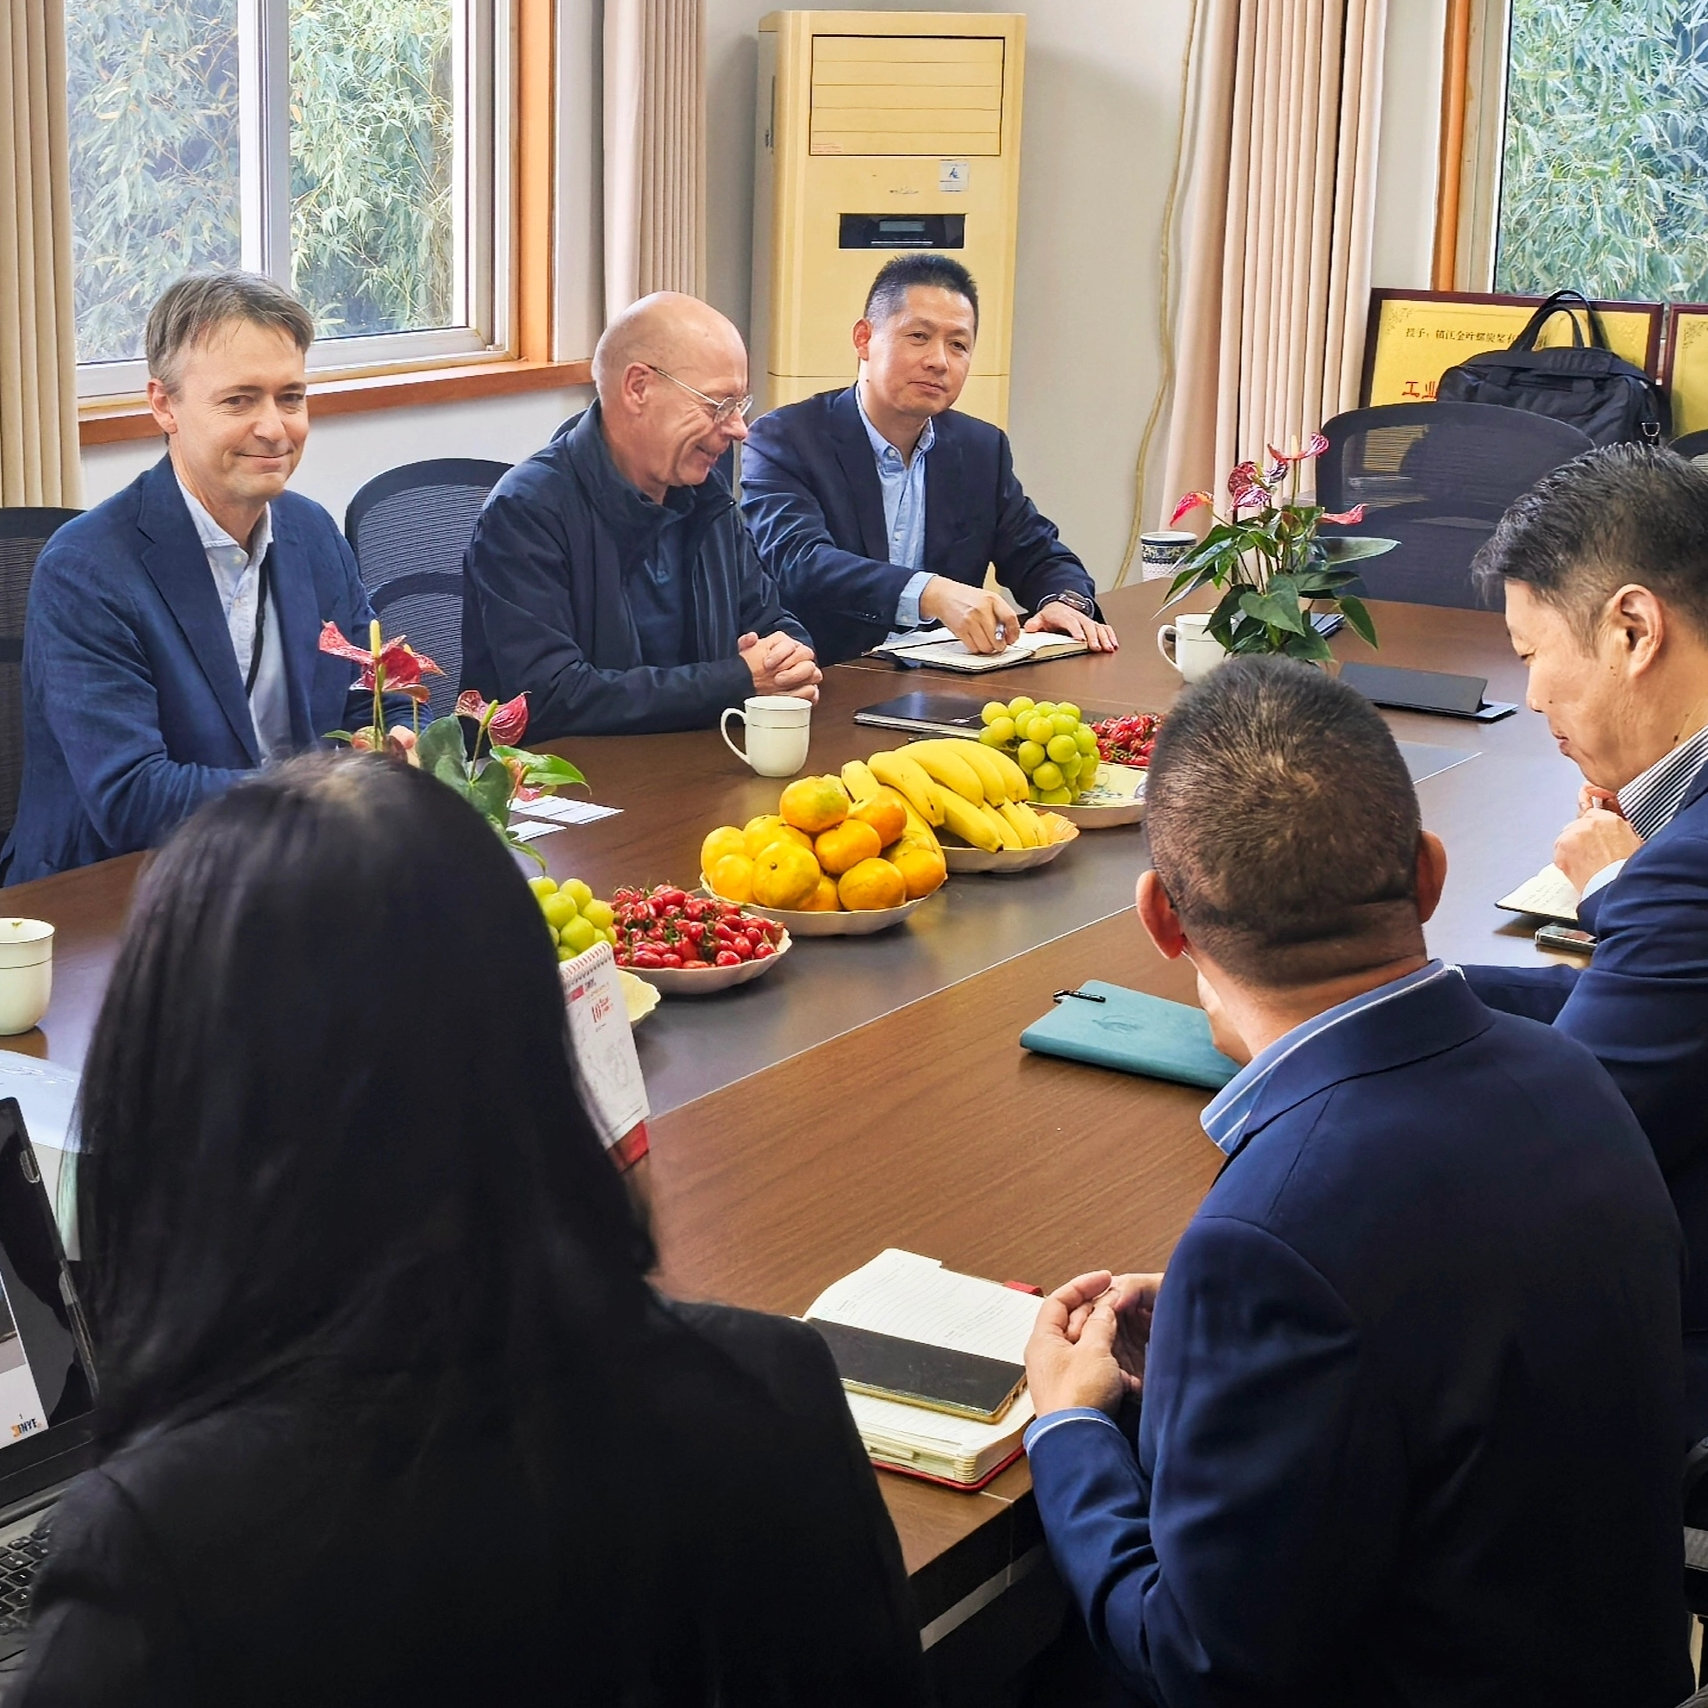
{"x":963,"y":1383}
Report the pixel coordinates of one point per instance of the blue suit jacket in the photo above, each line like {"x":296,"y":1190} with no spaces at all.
{"x":1411,"y":1422}
{"x":1641,"y":1006}
{"x":811,"y":495}
{"x":134,"y":709}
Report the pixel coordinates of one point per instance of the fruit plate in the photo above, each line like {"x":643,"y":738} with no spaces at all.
{"x":844,"y":924}
{"x":639,"y":997}
{"x":676,"y":981}
{"x":1117,"y":797}
{"x":960,"y":859}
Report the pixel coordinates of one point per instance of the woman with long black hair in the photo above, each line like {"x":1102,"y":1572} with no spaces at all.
{"x":390,"y":1412}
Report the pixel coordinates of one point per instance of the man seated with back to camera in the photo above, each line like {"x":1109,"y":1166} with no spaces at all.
{"x":1412,"y":1381}
{"x":610,"y":577}
{"x":171,"y":640}
{"x":878,"y":508}
{"x":1605,"y":568}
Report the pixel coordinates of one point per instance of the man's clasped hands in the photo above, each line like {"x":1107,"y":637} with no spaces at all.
{"x":1088,"y":1347}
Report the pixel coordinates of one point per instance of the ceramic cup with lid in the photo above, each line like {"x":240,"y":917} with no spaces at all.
{"x":26,"y":973}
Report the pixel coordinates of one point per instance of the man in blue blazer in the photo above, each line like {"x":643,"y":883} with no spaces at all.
{"x":1411,"y":1385}
{"x":880,"y":507}
{"x":1605,"y":566}
{"x":171,"y":635}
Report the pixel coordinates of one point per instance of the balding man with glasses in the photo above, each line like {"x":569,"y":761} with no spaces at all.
{"x":610,"y":577}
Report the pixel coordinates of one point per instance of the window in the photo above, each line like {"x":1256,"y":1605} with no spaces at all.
{"x":1603,"y":158}
{"x":345,"y":147}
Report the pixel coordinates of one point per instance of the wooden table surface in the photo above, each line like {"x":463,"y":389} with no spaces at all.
{"x":872,"y":1092}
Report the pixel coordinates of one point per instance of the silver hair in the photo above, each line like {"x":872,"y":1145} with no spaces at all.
{"x":196,"y":305}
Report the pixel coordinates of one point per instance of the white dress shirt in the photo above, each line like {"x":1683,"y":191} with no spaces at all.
{"x":1650,"y":801}
{"x":237,"y":581}
{"x":903,"y":482}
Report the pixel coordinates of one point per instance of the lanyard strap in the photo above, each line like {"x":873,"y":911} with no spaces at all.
{"x":258,"y":644}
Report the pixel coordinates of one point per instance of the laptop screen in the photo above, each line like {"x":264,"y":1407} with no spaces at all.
{"x":46,"y":1387}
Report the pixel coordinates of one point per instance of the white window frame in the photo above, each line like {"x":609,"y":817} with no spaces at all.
{"x":482,"y":35}
{"x":1484,"y":147}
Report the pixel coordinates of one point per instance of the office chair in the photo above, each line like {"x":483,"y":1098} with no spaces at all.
{"x":23,"y":533}
{"x":409,"y":528}
{"x":1692,"y":445}
{"x":1436,"y":477}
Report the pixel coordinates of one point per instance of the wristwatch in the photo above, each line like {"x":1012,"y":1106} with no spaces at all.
{"x":1074,"y":602}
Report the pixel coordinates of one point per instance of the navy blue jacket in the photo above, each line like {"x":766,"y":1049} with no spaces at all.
{"x":1641,"y":1005}
{"x":134,"y":709}
{"x":545,"y":609}
{"x":811,"y":495}
{"x":1411,"y":1420}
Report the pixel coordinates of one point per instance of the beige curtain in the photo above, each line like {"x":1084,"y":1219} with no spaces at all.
{"x":655,"y":149}
{"x":38,"y":353}
{"x":1280,"y":210}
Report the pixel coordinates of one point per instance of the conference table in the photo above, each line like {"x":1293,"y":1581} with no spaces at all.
{"x":872,"y":1092}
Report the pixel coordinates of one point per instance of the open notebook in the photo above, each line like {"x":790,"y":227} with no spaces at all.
{"x":1548,"y":895}
{"x":916,"y":1298}
{"x":939,"y":649}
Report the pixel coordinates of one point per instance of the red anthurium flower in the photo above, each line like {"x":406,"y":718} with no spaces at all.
{"x":509,"y":722}
{"x":1347,"y":518}
{"x":471,"y":703}
{"x":1192,"y":501}
{"x":404,"y":666}
{"x":1276,"y":472}
{"x":1314,"y":447}
{"x":333,"y":642}
{"x":1252,"y":497}
{"x":520,"y":790}
{"x":1243,"y":478}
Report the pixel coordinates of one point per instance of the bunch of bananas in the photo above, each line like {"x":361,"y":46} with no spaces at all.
{"x":975,"y":792}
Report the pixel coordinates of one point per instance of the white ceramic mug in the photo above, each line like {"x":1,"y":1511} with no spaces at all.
{"x":778,"y":730}
{"x":1188,"y":645}
{"x":26,"y":973}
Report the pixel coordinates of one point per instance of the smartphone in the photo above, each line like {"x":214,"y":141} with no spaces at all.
{"x":1565,"y":937}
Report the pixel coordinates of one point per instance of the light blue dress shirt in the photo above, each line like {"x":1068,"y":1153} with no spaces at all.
{"x":1228,"y":1111}
{"x":903,"y":484}
{"x":237,"y":580}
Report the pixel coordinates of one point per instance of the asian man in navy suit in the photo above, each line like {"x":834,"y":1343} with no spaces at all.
{"x":1605,"y":567}
{"x":879,"y":508}
{"x":171,"y":635}
{"x":1411,"y":1385}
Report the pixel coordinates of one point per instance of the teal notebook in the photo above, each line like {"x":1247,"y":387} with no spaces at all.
{"x":1132,"y":1033}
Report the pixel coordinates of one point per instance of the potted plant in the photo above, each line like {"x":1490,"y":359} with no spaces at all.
{"x":1266,"y":557}
{"x":491,"y":782}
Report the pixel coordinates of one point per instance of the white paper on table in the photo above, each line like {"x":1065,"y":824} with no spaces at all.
{"x":561,"y":811}
{"x":607,"y":1066}
{"x":532,"y":830}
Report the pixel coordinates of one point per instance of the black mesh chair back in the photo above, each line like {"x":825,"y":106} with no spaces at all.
{"x":23,"y":533}
{"x":1436,"y":477}
{"x":1692,"y":446}
{"x":409,"y":528}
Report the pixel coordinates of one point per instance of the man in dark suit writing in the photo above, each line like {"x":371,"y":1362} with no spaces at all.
{"x":879,"y":508}
{"x":1411,"y":1384}
{"x":1605,"y":566}
{"x":171,"y":637}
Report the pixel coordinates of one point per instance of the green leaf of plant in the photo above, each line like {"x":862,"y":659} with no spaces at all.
{"x":441,"y":750}
{"x":491,"y":791}
{"x":542,"y":770}
{"x":1349,"y":548}
{"x":1275,"y":610}
{"x":1358,"y":616}
{"x":1309,"y":646}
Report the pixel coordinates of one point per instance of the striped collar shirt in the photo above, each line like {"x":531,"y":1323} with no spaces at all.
{"x":1229,"y":1110}
{"x":1650,"y":801}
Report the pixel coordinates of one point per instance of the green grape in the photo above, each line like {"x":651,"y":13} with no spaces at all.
{"x":1061,"y":748}
{"x":1047,"y":776}
{"x":578,"y":936}
{"x":1000,"y":733}
{"x":1018,"y":706}
{"x":583,"y":893}
{"x":1045,"y":708}
{"x":1056,"y":798}
{"x":559,"y":909}
{"x":1085,"y":738}
{"x":599,"y":915}
{"x":610,"y":935}
{"x":1038,"y":729}
{"x":542,"y":886}
{"x":992,"y":710}
{"x":1069,"y":768}
{"x":565,"y":954}
{"x":1067,"y":709}
{"x":1064,"y":724}
{"x":1030,"y":755}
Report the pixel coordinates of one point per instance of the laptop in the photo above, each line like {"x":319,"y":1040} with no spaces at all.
{"x":47,"y":1383}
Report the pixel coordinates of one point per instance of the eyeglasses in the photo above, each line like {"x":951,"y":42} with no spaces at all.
{"x":722,"y":408}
